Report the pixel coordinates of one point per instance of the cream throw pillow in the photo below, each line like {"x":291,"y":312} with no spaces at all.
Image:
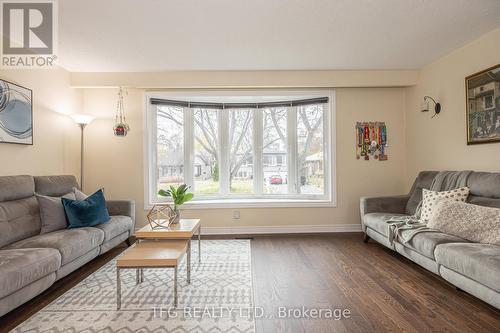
{"x":431,"y":198}
{"x":472,"y":222}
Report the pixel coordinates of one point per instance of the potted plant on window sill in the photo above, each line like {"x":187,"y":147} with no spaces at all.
{"x":179,"y":195}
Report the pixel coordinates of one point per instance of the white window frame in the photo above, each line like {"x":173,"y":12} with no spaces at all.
{"x":231,"y":200}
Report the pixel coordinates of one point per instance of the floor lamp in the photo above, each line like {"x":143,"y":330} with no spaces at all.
{"x":82,"y":120}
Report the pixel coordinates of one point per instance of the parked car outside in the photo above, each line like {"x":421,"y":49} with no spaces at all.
{"x":275,"y":180}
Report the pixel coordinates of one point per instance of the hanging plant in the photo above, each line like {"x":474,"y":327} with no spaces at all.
{"x":121,"y":127}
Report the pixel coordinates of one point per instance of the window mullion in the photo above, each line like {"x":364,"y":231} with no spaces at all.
{"x":188,"y":146}
{"x":154,"y":170}
{"x":224,"y":152}
{"x":292,"y":150}
{"x":326,"y":150}
{"x":258,"y":133}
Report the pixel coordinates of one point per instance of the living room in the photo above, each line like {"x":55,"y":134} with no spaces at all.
{"x":200,"y":166}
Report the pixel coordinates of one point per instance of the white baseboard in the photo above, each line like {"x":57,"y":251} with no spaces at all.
{"x":285,"y":229}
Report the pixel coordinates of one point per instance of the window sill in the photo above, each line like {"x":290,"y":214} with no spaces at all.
{"x":255,"y":203}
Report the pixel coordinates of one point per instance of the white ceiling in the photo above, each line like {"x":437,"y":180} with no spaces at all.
{"x":156,"y":35}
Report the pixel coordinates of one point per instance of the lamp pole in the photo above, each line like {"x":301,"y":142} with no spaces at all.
{"x":82,"y":120}
{"x":82,"y":145}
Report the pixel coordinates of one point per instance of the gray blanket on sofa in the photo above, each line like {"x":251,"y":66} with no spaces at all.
{"x":412,"y":225}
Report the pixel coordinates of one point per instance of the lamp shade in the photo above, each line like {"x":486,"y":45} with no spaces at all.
{"x":82,"y":119}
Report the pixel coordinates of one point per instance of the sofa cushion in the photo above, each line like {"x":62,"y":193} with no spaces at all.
{"x":484,"y":184}
{"x":117,"y":225}
{"x":378,"y":221}
{"x":484,"y":201}
{"x":71,"y":243}
{"x":425,"y":242}
{"x":479,"y":262}
{"x":424,"y":180}
{"x":19,"y":219}
{"x":20,"y":267}
{"x":55,"y":186}
{"x":16,"y":187}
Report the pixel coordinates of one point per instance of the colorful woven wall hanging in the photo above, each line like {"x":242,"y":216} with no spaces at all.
{"x":371,"y":140}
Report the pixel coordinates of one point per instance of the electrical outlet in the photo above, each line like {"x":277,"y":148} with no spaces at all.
{"x":236,"y":214}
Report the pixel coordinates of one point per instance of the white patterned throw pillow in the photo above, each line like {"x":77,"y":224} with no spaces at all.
{"x":431,"y":198}
{"x":476,"y":223}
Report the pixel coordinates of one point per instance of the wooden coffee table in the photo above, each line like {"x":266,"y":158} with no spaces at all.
{"x":150,"y":254}
{"x":185,"y":229}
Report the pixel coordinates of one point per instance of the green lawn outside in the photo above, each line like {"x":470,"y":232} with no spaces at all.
{"x":207,"y":187}
{"x":211,"y":187}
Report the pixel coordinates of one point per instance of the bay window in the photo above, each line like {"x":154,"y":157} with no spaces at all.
{"x":245,"y":149}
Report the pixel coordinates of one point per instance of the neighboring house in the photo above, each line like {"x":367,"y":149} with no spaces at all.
{"x":202,"y":170}
{"x":274,"y":163}
{"x":170,"y":165}
{"x":314,"y":164}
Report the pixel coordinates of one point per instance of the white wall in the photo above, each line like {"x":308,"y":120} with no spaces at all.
{"x":441,"y":143}
{"x":56,"y":137}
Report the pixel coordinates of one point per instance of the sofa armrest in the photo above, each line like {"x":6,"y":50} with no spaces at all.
{"x":124,"y":208}
{"x":388,"y":204}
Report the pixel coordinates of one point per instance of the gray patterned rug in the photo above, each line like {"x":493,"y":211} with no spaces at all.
{"x":219,"y":298}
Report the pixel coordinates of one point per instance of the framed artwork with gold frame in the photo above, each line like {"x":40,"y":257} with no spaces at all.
{"x":482,"y":92}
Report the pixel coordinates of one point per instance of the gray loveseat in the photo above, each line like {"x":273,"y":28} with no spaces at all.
{"x":472,"y":267}
{"x":29,"y":261}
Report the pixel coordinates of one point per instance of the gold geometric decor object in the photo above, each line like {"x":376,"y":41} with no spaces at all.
{"x":161,"y":217}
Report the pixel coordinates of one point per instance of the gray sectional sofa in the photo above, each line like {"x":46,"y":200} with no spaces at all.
{"x":30,"y":262}
{"x":472,"y":267}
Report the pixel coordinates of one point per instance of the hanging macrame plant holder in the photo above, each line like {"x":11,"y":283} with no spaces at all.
{"x":121,"y":127}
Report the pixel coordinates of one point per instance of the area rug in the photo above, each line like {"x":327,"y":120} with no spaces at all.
{"x":219,"y":298}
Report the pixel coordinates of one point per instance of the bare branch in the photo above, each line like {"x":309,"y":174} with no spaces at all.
{"x":208,"y":138}
{"x":242,"y":134}
{"x":169,"y":115}
{"x":276,"y":125}
{"x":208,"y":149}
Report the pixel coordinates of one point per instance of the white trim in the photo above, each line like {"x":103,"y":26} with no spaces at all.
{"x":147,"y":124}
{"x":188,"y":148}
{"x":251,"y":203}
{"x":254,"y":203}
{"x":291,"y":129}
{"x":331,"y":133}
{"x":258,"y":172}
{"x":223,"y":152}
{"x":286,"y":229}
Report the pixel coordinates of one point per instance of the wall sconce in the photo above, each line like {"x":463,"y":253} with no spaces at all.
{"x":425,"y":105}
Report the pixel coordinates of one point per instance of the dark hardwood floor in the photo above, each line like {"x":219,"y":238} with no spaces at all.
{"x":383,"y":291}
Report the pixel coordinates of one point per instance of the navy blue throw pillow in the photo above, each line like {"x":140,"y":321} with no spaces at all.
{"x":86,"y":213}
